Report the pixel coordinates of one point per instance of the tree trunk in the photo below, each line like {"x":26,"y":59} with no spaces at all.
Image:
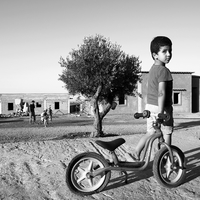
{"x":97,"y":118}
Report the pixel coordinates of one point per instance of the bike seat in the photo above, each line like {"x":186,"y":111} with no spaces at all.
{"x":111,"y":145}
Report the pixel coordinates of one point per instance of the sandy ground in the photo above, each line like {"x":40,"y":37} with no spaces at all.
{"x":33,"y":159}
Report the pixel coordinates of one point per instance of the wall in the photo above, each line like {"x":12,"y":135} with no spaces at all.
{"x":182,"y":82}
{"x":130,"y":106}
{"x":42,"y":101}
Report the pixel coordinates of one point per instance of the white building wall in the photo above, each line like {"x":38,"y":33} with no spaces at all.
{"x":42,"y":99}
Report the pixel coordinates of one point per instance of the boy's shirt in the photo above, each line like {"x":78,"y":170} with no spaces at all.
{"x":159,"y":74}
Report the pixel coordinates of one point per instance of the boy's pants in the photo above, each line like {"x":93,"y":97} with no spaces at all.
{"x":167,"y":127}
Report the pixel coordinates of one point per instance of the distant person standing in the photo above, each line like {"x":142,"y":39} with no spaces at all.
{"x":50,"y":113}
{"x":32,"y":112}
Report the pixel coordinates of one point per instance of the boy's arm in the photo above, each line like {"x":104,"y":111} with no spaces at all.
{"x":161,"y":96}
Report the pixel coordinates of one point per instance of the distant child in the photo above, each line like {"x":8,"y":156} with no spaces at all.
{"x":44,"y":117}
{"x":159,"y":91}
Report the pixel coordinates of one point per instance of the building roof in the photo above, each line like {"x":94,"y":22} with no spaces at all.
{"x":179,"y":89}
{"x":172,"y":72}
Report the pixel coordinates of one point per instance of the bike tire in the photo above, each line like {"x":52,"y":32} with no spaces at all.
{"x":165,"y":174}
{"x":76,"y":174}
{"x":182,"y":155}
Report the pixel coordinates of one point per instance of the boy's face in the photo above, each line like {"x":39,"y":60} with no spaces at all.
{"x":163,"y":56}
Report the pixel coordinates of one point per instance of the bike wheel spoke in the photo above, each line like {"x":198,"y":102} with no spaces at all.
{"x":169,"y":172}
{"x":90,"y":182}
{"x":82,"y":174}
{"x":81,"y":178}
{"x":81,"y":170}
{"x":90,"y":166}
{"x":168,"y":167}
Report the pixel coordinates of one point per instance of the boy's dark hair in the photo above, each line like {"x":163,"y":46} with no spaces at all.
{"x":158,"y":42}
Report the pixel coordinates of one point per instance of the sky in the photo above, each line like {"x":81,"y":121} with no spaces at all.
{"x":34,"y":34}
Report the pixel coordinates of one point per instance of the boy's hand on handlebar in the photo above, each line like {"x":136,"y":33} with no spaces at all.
{"x":164,"y":117}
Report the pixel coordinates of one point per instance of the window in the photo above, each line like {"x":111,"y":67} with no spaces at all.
{"x":57,"y":105}
{"x":10,"y":106}
{"x":122,"y":100}
{"x":177,"y":98}
{"x":38,"y":105}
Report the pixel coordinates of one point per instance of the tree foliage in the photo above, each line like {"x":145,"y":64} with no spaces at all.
{"x":96,"y":62}
{"x":99,"y":68}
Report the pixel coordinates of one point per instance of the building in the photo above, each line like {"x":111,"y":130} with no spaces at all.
{"x":10,"y":103}
{"x":186,"y":92}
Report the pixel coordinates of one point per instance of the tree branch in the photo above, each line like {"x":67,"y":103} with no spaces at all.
{"x":99,"y":89}
{"x":106,"y":110}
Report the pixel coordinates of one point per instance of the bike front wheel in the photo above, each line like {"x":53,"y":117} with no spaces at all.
{"x":77,"y":176}
{"x":167,"y":174}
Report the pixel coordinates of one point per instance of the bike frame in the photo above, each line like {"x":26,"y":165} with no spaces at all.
{"x":141,"y":165}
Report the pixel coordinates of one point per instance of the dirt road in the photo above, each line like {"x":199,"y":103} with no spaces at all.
{"x":33,"y":161}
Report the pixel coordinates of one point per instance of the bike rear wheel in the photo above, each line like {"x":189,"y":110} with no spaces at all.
{"x":77,"y":174}
{"x":166,"y":174}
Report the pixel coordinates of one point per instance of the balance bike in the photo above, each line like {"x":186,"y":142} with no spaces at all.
{"x":90,"y":172}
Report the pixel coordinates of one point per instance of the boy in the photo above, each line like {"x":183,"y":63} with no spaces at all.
{"x":159,"y":90}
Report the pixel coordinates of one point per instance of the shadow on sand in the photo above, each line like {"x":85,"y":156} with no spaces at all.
{"x":10,"y":120}
{"x":81,"y":135}
{"x":187,"y":124}
{"x":119,"y":181}
{"x":192,"y":171}
{"x":192,"y":164}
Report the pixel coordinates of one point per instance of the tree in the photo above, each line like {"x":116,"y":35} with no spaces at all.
{"x":100,"y":70}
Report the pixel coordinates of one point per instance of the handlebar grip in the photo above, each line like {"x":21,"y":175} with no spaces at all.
{"x":138,"y":115}
{"x":145,"y":114}
{"x":165,"y":117}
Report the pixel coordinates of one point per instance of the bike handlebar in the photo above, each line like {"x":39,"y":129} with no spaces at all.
{"x":147,"y":114}
{"x":144,"y":114}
